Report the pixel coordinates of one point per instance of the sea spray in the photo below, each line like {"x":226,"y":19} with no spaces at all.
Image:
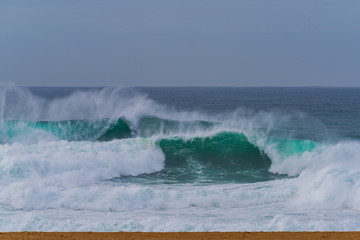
{"x":123,"y":159}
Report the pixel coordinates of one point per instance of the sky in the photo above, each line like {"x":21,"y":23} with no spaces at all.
{"x":180,"y":42}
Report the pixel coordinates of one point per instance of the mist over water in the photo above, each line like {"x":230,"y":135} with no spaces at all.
{"x":179,"y":159}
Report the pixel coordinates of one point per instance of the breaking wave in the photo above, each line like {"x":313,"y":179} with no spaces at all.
{"x":52,"y":149}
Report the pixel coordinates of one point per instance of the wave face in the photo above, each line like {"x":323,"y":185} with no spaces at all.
{"x":221,"y":156}
{"x":67,"y":152}
{"x":70,"y":130}
{"x":225,"y":156}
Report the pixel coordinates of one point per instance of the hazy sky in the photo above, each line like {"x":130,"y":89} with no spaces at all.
{"x":180,"y":42}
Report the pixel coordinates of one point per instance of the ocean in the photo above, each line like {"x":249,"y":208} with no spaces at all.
{"x":179,"y":159}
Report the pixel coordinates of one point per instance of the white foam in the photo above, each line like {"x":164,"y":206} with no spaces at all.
{"x":132,"y":207}
{"x":324,"y":194}
{"x":328,"y":175}
{"x":35,"y":174}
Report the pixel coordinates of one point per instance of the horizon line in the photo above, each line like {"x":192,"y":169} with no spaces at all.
{"x":186,"y":86}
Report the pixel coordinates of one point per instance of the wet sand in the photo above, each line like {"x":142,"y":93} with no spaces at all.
{"x":186,"y":235}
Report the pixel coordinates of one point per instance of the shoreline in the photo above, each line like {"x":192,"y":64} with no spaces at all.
{"x":179,"y":235}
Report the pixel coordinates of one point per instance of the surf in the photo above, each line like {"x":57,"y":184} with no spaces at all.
{"x":196,"y":147}
{"x":126,"y":154}
{"x":190,"y":147}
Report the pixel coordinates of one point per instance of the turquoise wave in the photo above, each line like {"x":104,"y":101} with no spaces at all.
{"x":100,"y":130}
{"x":226,"y":156}
{"x":70,"y":130}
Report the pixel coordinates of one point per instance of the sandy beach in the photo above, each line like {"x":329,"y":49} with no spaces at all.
{"x":180,"y":235}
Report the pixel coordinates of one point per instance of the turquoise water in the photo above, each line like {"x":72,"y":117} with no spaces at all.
{"x":166,"y":159}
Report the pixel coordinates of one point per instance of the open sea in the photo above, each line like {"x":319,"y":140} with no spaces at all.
{"x":179,"y":159}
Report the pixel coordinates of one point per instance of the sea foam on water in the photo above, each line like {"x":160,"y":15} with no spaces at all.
{"x":116,"y":160}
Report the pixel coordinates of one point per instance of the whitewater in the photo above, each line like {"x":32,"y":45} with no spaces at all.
{"x":179,"y":159}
